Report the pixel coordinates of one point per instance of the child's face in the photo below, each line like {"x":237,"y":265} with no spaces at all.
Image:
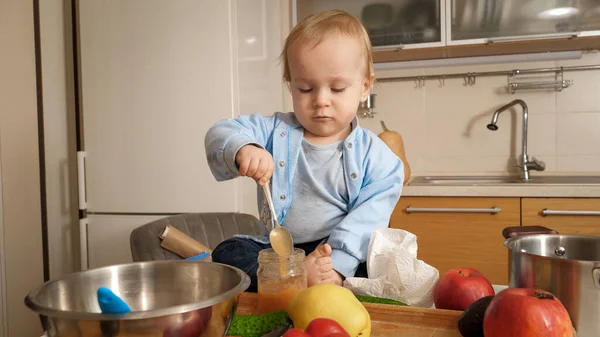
{"x":327,"y":84}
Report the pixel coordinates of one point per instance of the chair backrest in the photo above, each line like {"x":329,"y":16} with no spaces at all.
{"x":209,"y":229}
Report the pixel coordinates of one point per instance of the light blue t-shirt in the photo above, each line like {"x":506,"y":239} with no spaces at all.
{"x":319,"y":192}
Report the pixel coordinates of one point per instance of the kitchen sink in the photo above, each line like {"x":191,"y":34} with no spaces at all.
{"x":502,"y":180}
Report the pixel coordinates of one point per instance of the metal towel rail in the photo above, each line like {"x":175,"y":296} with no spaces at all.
{"x":470,"y":76}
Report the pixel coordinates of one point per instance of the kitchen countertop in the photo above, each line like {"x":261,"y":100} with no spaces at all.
{"x":505,"y":190}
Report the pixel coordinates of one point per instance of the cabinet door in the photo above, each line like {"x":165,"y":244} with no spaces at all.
{"x":395,"y":24}
{"x":564,"y":215}
{"x":509,"y":20}
{"x":460,"y":232}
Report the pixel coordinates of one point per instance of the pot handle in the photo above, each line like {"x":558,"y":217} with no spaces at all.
{"x":513,"y":231}
{"x":596,"y":277}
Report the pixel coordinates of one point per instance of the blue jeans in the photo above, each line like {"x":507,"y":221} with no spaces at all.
{"x":243,"y":254}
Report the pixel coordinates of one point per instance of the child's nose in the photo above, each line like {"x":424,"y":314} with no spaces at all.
{"x":321,"y":99}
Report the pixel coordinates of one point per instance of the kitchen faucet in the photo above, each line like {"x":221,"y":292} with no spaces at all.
{"x":526,"y":165}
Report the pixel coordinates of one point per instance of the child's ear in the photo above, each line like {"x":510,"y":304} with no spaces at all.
{"x":367,"y":85}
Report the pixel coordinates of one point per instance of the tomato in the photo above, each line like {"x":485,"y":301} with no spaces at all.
{"x":325,"y":327}
{"x":295,"y":332}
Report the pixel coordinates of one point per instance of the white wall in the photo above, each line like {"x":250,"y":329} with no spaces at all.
{"x":19,"y":161}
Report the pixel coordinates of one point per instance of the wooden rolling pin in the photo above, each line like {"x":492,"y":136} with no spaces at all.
{"x":181,"y":244}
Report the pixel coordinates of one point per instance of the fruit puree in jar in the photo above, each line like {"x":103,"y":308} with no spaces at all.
{"x":273,"y":297}
{"x":279,"y":279}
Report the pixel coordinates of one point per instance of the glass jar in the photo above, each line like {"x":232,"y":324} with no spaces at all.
{"x":279,"y":279}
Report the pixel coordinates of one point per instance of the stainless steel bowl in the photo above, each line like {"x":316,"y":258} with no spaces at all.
{"x":167,"y":298}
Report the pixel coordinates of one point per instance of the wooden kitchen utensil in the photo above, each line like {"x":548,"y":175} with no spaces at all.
{"x":181,"y":244}
{"x":395,"y":142}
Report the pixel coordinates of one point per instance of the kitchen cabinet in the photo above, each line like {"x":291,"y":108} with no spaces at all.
{"x":505,"y":20}
{"x":502,"y":27}
{"x":460,"y":232}
{"x":392,"y":24}
{"x":403,"y":30}
{"x":399,"y":29}
{"x":565,"y":215}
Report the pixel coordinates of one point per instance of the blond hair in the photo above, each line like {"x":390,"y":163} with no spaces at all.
{"x":315,"y":28}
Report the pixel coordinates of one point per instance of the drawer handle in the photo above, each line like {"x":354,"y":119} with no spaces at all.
{"x":493,"y":210}
{"x":546,"y":212}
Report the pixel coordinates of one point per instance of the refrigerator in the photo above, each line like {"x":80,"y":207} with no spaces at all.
{"x":153,"y":76}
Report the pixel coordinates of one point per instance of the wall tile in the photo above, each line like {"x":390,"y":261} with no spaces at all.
{"x":578,"y":134}
{"x":402,"y":107}
{"x":541,"y":140}
{"x":583,"y":96}
{"x":457,"y":121}
{"x":579,"y":163}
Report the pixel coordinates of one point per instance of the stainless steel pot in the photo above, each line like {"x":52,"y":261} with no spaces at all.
{"x":567,"y":266}
{"x":167,"y":299}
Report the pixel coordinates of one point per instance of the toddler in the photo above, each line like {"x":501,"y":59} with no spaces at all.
{"x":331,"y":180}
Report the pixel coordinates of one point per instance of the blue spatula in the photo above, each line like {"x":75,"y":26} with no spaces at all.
{"x":198,"y":257}
{"x":110,"y":303}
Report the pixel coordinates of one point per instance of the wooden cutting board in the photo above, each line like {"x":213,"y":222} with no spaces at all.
{"x":390,"y":320}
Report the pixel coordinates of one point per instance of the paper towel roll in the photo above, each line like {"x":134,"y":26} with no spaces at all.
{"x":181,"y":244}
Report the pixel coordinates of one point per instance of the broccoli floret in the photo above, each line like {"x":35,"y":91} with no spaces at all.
{"x":369,"y":299}
{"x":257,"y":325}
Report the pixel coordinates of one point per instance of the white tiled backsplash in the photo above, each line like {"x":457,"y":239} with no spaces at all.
{"x":444,"y":127}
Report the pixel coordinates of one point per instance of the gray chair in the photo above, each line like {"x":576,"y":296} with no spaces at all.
{"x":209,"y":229}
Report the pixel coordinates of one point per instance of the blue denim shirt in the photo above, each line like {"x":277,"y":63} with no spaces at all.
{"x":374,"y":176}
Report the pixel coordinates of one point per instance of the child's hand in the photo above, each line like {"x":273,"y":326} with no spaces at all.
{"x":255,"y":163}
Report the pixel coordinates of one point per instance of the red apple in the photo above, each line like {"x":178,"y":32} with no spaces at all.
{"x":460,"y":287}
{"x":527,"y":312}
